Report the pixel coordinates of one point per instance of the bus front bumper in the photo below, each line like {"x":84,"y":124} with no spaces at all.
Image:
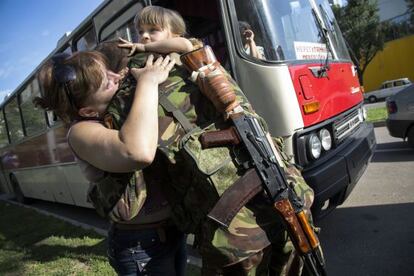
{"x":334,"y":180}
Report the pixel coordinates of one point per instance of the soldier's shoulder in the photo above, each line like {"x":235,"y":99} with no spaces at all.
{"x":138,"y":60}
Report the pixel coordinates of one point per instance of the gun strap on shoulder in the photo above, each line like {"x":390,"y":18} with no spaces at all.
{"x":235,"y":197}
{"x":176,"y":112}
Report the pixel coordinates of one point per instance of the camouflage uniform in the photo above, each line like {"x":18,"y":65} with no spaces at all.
{"x":194,"y":178}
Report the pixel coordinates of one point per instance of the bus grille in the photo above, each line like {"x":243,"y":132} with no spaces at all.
{"x":345,"y":126}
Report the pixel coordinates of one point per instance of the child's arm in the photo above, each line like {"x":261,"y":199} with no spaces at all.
{"x":175,"y":44}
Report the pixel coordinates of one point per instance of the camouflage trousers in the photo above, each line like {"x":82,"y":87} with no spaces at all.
{"x":278,"y":259}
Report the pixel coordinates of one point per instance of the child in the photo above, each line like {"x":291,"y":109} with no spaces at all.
{"x":160,"y":30}
{"x":249,"y":44}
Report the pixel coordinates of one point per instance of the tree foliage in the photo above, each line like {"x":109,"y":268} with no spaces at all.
{"x":410,"y":9}
{"x":410,"y":5}
{"x":360,"y":24}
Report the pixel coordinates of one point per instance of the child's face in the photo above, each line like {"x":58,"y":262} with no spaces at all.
{"x":152,"y":33}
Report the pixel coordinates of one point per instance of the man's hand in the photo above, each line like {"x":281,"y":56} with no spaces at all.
{"x":134,"y":47}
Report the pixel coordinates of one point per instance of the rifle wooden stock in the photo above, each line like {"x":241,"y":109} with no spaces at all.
{"x":219,"y":138}
{"x":211,"y":78}
{"x":302,"y":236}
{"x":285,"y":209}
{"x":199,"y":58}
{"x":307,"y":228}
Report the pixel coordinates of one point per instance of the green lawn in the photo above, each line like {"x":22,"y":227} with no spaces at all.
{"x":377,"y":114}
{"x":36,"y":244}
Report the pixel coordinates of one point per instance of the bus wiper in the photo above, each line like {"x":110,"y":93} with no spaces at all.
{"x":322,"y":72}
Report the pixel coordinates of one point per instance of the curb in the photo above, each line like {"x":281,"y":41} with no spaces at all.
{"x":193,"y":260}
{"x":379,"y":124}
{"x":71,"y":221}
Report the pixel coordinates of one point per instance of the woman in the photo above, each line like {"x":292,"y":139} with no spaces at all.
{"x":78,"y":88}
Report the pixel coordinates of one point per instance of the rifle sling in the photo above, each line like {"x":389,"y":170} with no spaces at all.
{"x":176,"y":112}
{"x":235,"y":197}
{"x":238,"y":194}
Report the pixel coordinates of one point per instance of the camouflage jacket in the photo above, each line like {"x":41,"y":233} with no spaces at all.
{"x":194,"y":178}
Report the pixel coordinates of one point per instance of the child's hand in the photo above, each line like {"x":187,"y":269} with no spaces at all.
{"x":248,"y":35}
{"x":135,"y":47}
{"x":154,"y":71}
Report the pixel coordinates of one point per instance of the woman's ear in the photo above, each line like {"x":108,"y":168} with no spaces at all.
{"x":88,"y":112}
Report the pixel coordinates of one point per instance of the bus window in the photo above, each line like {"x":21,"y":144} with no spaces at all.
{"x":67,"y":50}
{"x":33,"y":117}
{"x":14,"y":122}
{"x":127,"y":32}
{"x":52,"y":118}
{"x":121,"y":26}
{"x":87,"y":41}
{"x":4,"y":140}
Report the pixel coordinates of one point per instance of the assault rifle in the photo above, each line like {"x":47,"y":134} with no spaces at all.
{"x":247,"y":132}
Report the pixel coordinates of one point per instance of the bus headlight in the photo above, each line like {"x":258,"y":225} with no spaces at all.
{"x":315,"y":146}
{"x":362,"y":113}
{"x":326,"y":139}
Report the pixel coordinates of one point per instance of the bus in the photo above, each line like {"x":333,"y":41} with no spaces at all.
{"x":304,"y":84}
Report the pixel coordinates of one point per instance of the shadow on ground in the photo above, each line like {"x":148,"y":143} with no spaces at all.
{"x":369,"y":240}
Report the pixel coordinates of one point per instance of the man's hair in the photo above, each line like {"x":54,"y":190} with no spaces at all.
{"x":89,"y":76}
{"x":117,"y":57}
{"x":163,"y":17}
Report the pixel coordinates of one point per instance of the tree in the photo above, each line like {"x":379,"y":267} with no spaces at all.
{"x":410,"y":5}
{"x":410,"y":9}
{"x":360,"y":24}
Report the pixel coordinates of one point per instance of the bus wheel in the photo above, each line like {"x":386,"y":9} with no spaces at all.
{"x":372,"y":99}
{"x":18,"y":194}
{"x":410,"y":136}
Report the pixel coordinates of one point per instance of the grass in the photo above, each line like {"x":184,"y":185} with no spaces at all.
{"x":377,"y":114}
{"x":36,"y":244}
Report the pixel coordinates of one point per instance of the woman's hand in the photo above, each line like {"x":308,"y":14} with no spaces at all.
{"x":156,"y":72}
{"x":134,"y":47}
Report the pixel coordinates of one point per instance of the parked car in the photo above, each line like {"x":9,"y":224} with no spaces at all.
{"x":400,"y":107}
{"x":388,"y":88}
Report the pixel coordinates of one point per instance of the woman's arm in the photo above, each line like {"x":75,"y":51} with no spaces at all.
{"x":134,"y":145}
{"x":175,"y":44}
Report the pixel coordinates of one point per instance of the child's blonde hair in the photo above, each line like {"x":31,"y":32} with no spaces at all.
{"x":162,"y":17}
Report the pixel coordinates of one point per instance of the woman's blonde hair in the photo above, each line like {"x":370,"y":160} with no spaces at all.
{"x":65,"y":99}
{"x":163,"y":17}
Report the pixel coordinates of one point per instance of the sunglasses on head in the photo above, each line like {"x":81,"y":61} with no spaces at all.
{"x":64,"y":74}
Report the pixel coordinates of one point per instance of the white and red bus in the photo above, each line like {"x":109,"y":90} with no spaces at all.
{"x":304,"y":85}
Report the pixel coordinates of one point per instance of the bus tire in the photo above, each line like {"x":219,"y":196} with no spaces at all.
{"x":18,"y":194}
{"x":410,"y":136}
{"x":372,"y":99}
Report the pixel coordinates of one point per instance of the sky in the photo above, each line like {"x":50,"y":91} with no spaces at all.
{"x":29,"y":31}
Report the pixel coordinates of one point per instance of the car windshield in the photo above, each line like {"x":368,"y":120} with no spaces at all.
{"x":288,"y":30}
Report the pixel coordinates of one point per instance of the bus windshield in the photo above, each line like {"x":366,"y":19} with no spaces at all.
{"x":288,"y":30}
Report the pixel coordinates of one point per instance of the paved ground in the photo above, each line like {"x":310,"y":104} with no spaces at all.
{"x":373,"y":232}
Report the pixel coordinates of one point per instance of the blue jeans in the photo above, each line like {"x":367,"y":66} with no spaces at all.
{"x":160,"y":251}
